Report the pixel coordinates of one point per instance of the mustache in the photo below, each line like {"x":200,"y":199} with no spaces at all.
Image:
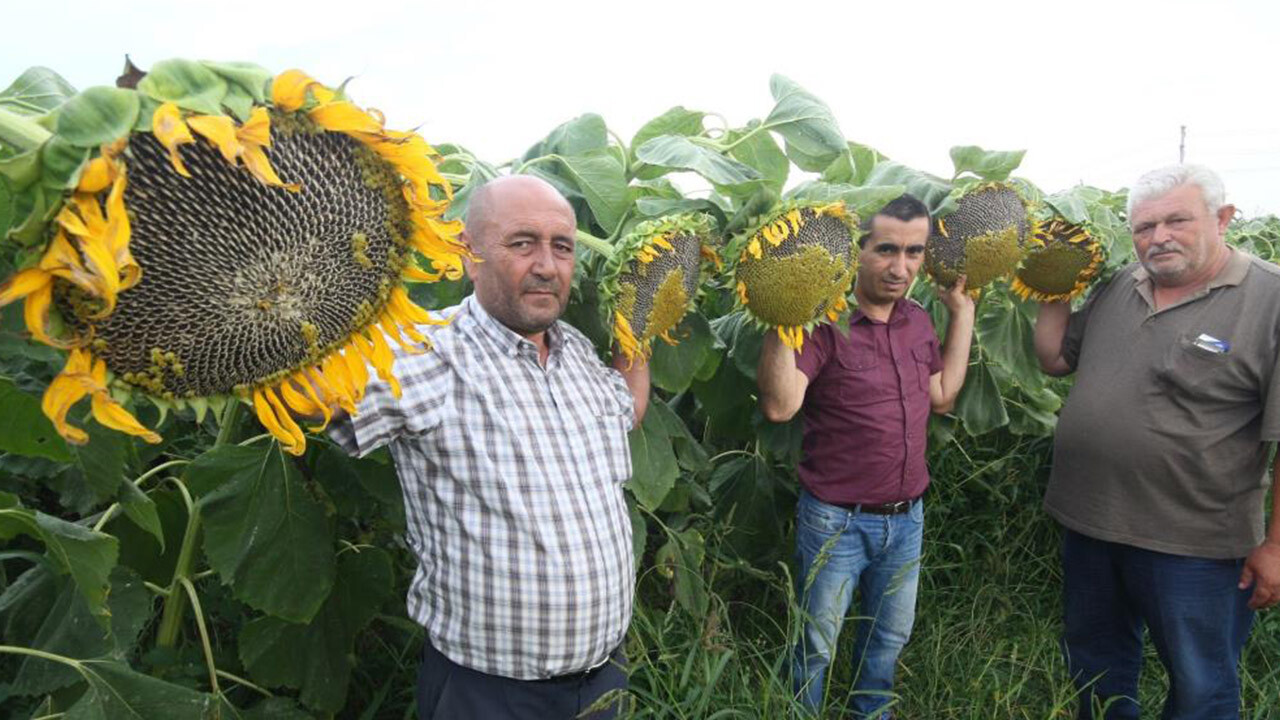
{"x":535,"y":285}
{"x":1166,"y":248}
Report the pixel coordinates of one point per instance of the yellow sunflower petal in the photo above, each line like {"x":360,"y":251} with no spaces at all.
{"x":383,"y":360}
{"x":359,"y":371}
{"x":111,"y":414}
{"x":23,"y":284}
{"x":255,"y":159}
{"x":97,"y":175}
{"x":289,"y":90}
{"x":219,"y":130}
{"x":168,"y":127}
{"x":290,"y":426}
{"x":257,"y":129}
{"x":344,"y":117}
{"x":117,"y":234}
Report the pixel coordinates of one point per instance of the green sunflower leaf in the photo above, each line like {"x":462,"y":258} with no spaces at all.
{"x":252,"y":78}
{"x":760,"y":151}
{"x":673,"y":366}
{"x":62,"y":160}
{"x":682,"y":557}
{"x":87,"y":555}
{"x":676,"y":121}
{"x":812,"y":136}
{"x":653,"y":459}
{"x":37,"y":91}
{"x":187,"y":84}
{"x":574,"y":137}
{"x":264,"y":532}
{"x":599,"y":176}
{"x":317,"y":658}
{"x":97,"y":115}
{"x":986,"y":164}
{"x":680,"y":153}
{"x":117,"y":692}
{"x":980,"y":406}
{"x":1008,"y":336}
{"x":24,"y":429}
{"x":748,"y":491}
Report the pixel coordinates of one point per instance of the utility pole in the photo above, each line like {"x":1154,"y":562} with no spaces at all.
{"x":1182,"y":146}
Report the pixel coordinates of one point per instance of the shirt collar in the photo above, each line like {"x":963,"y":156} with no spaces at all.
{"x":509,"y":341}
{"x":896,"y":316}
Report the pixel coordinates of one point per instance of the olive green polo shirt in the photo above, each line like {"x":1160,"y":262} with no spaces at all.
{"x":1162,"y":442}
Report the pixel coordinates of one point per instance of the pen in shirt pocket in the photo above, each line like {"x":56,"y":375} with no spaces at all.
{"x":1208,"y":342}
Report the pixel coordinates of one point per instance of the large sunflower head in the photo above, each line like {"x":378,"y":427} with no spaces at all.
{"x":1063,"y":259}
{"x":651,"y":280}
{"x":258,"y":253}
{"x":984,"y":238}
{"x":795,"y":267}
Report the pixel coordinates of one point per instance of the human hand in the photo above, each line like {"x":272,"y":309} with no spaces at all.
{"x":1262,"y":571}
{"x":955,"y":298}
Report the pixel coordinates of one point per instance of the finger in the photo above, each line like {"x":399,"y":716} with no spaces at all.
{"x":960,"y":283}
{"x":1246,"y":578}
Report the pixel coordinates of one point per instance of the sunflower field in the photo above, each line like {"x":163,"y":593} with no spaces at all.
{"x":179,"y":547}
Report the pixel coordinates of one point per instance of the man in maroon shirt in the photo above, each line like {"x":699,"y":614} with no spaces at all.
{"x":866,"y":398}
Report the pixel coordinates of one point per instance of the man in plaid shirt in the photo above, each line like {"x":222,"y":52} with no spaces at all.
{"x":510,"y":441}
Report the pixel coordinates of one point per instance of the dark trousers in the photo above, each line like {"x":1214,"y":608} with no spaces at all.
{"x":1197,"y":618}
{"x":449,"y":691}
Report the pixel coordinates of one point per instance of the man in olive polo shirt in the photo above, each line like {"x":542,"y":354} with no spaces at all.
{"x":1159,"y":473}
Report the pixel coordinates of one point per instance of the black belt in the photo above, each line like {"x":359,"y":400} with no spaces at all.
{"x":584,"y":675}
{"x":893,"y":508}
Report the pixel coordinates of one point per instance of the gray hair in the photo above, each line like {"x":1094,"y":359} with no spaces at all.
{"x":1160,"y":181}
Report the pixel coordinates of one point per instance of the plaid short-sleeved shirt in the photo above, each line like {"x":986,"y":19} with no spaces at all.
{"x":512,"y":477}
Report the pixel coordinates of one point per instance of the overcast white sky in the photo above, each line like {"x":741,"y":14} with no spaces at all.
{"x":1094,"y":91}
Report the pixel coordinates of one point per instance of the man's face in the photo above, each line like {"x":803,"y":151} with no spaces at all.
{"x":526,"y":252}
{"x":890,"y":259}
{"x":1176,"y":236}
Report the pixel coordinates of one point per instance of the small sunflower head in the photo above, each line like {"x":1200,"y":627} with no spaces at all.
{"x":1063,"y":259}
{"x":984,"y":238}
{"x":260,"y":255}
{"x":795,"y":267}
{"x":652,"y":279}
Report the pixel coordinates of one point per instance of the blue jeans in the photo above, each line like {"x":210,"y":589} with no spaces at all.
{"x":838,"y":551}
{"x":1197,"y":618}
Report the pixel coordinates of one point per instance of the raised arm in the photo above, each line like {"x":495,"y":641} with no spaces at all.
{"x":945,"y":386}
{"x":637,"y":376}
{"x":1051,"y":328}
{"x":782,"y":385}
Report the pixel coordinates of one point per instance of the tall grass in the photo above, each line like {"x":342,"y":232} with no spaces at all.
{"x":985,"y":644}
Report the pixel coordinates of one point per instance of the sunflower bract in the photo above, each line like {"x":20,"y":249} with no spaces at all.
{"x":651,"y":282}
{"x":796,"y":267}
{"x":1061,"y":262}
{"x":983,"y":239}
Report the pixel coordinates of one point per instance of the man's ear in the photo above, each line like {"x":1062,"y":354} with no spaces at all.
{"x":1225,"y":213}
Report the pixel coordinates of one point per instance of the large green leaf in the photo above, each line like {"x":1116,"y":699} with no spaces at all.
{"x":187,"y":84}
{"x":761,"y":152}
{"x":36,"y":92}
{"x":98,"y":115}
{"x":680,"y":153}
{"x":24,"y":429}
{"x":1008,"y":338}
{"x":117,"y":692}
{"x":100,"y":464}
{"x":986,"y":164}
{"x":812,"y":136}
{"x":251,"y":77}
{"x":317,"y":658}
{"x":681,"y":558}
{"x":672,"y":367}
{"x":481,"y":173}
{"x":932,"y":191}
{"x":676,"y":121}
{"x":142,"y":511}
{"x":861,"y":201}
{"x":980,"y":406}
{"x":88,"y":556}
{"x":264,"y":533}
{"x":70,"y":630}
{"x":600,"y":177}
{"x":746,"y":497}
{"x":653,"y":460}
{"x":576,"y":137}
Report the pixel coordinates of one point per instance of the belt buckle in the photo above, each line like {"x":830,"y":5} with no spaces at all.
{"x":899,"y":507}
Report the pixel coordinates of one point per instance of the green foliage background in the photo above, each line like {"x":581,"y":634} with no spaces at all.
{"x":215,"y":576}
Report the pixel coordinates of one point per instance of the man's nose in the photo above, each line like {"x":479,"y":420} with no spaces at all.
{"x":543,"y":264}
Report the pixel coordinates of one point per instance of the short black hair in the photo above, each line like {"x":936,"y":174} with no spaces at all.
{"x":906,"y":207}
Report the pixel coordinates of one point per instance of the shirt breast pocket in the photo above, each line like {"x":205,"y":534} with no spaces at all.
{"x":923,"y":356}
{"x":1191,"y":368}
{"x":858,"y":376}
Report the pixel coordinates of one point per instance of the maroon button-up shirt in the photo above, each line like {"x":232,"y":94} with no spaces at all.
{"x":866,"y":410}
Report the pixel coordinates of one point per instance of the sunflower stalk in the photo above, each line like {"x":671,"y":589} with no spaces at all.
{"x":175,"y":604}
{"x":21,"y":133}
{"x":595,"y":244}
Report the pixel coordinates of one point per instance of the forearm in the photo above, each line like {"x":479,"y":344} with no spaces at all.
{"x":1051,"y":328}
{"x":781,"y":383}
{"x":636,"y":374}
{"x":955,"y":357}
